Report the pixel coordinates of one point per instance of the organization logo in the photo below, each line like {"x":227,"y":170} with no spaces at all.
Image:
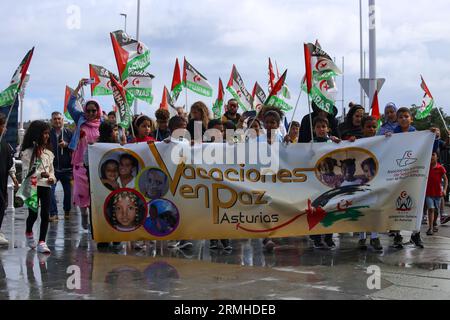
{"x":407,"y":160}
{"x":404,"y":202}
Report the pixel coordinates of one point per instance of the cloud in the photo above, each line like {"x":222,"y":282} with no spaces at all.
{"x":35,"y":109}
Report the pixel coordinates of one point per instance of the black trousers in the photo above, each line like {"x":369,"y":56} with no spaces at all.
{"x":44,"y":199}
{"x":3,"y":205}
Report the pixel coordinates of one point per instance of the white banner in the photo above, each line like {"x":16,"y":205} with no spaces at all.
{"x":240,"y":191}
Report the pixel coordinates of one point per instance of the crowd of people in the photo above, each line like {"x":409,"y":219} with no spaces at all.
{"x":52,"y":153}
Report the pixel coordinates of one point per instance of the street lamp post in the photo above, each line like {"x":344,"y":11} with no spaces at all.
{"x":125,"y":16}
{"x":361,"y":49}
{"x":372,"y":52}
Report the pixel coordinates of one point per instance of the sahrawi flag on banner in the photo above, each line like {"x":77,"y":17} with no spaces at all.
{"x":195,"y":81}
{"x":8,"y":96}
{"x":218,"y":105}
{"x":259,"y":97}
{"x":237,"y":89}
{"x":427,"y":102}
{"x":274,"y":100}
{"x":102,"y":82}
{"x":139,"y":86}
{"x":321,"y":71}
{"x":121,"y":100}
{"x":131,"y":55}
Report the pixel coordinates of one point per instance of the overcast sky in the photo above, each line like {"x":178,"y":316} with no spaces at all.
{"x":213,"y":35}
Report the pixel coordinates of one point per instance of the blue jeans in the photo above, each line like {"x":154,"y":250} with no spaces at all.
{"x":65,"y":179}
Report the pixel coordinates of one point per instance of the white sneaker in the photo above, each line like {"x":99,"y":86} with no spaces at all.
{"x":42,"y":248}
{"x":30,"y":241}
{"x":3,"y":240}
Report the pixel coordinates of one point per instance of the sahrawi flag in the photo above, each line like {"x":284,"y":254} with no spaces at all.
{"x":237,"y":89}
{"x":28,"y":189}
{"x":285,"y":92}
{"x":8,"y":96}
{"x":139,"y":86}
{"x":274,"y":100}
{"x":177,"y":85}
{"x":69,"y":92}
{"x":376,"y":109}
{"x":320,"y":74}
{"x":195,"y":81}
{"x":121,"y":100}
{"x":166,"y":103}
{"x":218,"y":105}
{"x":259,"y":97}
{"x":102,"y":82}
{"x":131,"y":55}
{"x":427,"y":102}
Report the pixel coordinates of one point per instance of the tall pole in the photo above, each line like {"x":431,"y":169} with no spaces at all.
{"x":21,"y":98}
{"x":137,"y":38}
{"x":364,"y":76}
{"x":343,"y":85}
{"x":372,"y":51}
{"x":361,"y":48}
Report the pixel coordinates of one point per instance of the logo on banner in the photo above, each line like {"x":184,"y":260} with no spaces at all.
{"x":407,"y":160}
{"x":404,"y":202}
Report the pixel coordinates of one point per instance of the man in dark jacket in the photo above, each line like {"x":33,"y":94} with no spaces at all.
{"x":305,"y":127}
{"x":232,"y":112}
{"x":60,"y":138}
{"x":6,"y":162}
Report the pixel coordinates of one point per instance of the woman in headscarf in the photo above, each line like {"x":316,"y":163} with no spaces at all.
{"x":390,"y":118}
{"x":87,"y":132}
{"x":351,"y":129}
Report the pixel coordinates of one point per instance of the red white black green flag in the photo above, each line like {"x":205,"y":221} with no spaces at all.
{"x":427,"y":102}
{"x":131,"y":55}
{"x":218,"y":105}
{"x":139,"y":85}
{"x":259,"y":97}
{"x":177,"y":84}
{"x":8,"y":96}
{"x":102,"y":82}
{"x":195,"y":81}
{"x":121,"y":100}
{"x":237,"y":89}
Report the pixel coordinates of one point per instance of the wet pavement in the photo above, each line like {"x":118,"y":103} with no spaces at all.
{"x":294,"y":271}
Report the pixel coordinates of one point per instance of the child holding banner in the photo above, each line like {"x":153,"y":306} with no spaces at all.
{"x":321,"y":135}
{"x":162,"y":119}
{"x":36,"y":156}
{"x":370,"y":127}
{"x":405,"y":121}
{"x":143,"y":128}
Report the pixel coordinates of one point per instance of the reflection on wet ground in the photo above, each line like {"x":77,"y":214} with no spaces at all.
{"x":293,"y":271}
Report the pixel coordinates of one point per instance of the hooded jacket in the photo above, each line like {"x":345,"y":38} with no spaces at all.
{"x":305,"y":127}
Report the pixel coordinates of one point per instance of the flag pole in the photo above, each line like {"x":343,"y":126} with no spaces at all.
{"x":186,"y":94}
{"x":442,"y":117}
{"x":295,"y":109}
{"x":310,"y":119}
{"x":7,"y":118}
